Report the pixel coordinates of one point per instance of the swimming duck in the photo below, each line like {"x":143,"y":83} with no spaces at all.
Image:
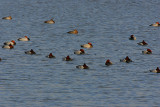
{"x":12,"y":43}
{"x":155,"y":24}
{"x":143,"y":43}
{"x":50,"y":21}
{"x":108,"y":62}
{"x":78,"y":52}
{"x":25,"y":38}
{"x":132,"y":37}
{"x":51,"y":56}
{"x":148,"y":51}
{"x":127,"y":60}
{"x":89,"y":45}
{"x":155,"y":70}
{"x":31,"y":52}
{"x":67,"y":58}
{"x":8,"y":46}
{"x":75,"y":31}
{"x":84,"y":66}
{"x":7,"y":18}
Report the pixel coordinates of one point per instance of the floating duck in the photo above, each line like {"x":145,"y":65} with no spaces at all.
{"x":89,"y":45}
{"x":75,"y":31}
{"x":148,"y":51}
{"x":51,"y":56}
{"x":78,"y":52}
{"x":12,"y":43}
{"x":84,"y":66}
{"x":7,"y":18}
{"x":8,"y":46}
{"x":25,"y":38}
{"x":155,"y":70}
{"x":155,"y":24}
{"x":132,"y":37}
{"x":31,"y":52}
{"x":108,"y":62}
{"x":127,"y":60}
{"x":143,"y":43}
{"x":67,"y":58}
{"x":50,"y":21}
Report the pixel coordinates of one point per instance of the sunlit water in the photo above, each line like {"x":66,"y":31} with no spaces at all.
{"x":36,"y":81}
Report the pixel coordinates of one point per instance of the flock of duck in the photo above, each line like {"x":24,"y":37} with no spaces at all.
{"x":10,"y":45}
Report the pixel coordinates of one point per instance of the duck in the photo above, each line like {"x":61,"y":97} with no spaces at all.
{"x":51,"y":56}
{"x":127,"y":60}
{"x":75,"y":31}
{"x":8,"y":46}
{"x":50,"y":21}
{"x":108,"y":62}
{"x":12,"y":42}
{"x":7,"y":18}
{"x":155,"y":24}
{"x":157,"y":70}
{"x":89,"y":45}
{"x":84,"y":66}
{"x":132,"y":37}
{"x":143,"y":43}
{"x":25,"y":38}
{"x":31,"y":52}
{"x":78,"y":52}
{"x":148,"y":51}
{"x":67,"y":58}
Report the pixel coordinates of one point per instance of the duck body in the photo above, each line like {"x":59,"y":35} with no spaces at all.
{"x":8,"y":46}
{"x":155,"y":24}
{"x":31,"y":52}
{"x":25,"y":38}
{"x":84,"y":66}
{"x":143,"y":43}
{"x":75,"y":31}
{"x":50,"y":21}
{"x":148,"y":51}
{"x":51,"y":56}
{"x":127,"y":60}
{"x":67,"y":58}
{"x":89,"y":45}
{"x":155,"y":70}
{"x":132,"y":37}
{"x":79,"y":52}
{"x":7,"y":18}
{"x":12,"y":42}
{"x":108,"y":62}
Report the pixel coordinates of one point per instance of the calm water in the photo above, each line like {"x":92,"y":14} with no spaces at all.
{"x":36,"y":81}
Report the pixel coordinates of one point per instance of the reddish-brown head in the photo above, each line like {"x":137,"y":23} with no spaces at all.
{"x":157,"y":69}
{"x":68,"y":57}
{"x":50,"y":55}
{"x":75,"y":31}
{"x":144,"y":42}
{"x":85,"y":66}
{"x":13,"y":41}
{"x":149,"y":50}
{"x":25,"y":36}
{"x":82,"y":50}
{"x":132,"y":36}
{"x":157,"y":22}
{"x":90,"y":43}
{"x":127,"y":58}
{"x":108,"y":61}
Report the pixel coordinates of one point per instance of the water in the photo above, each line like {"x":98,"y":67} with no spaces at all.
{"x":36,"y":81}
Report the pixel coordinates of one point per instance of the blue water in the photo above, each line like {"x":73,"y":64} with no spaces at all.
{"x":36,"y":81}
